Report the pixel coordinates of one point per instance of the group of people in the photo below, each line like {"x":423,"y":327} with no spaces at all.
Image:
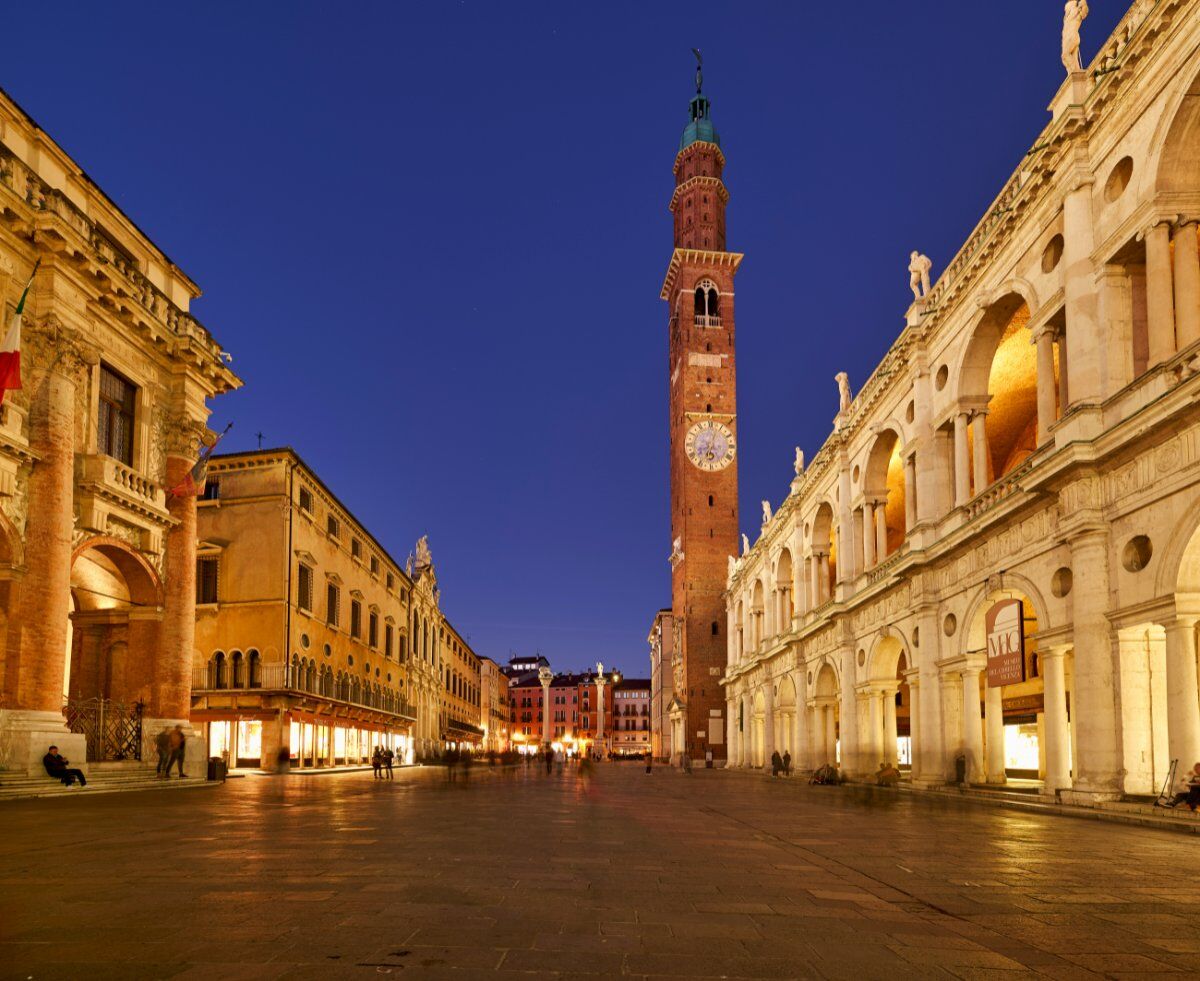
{"x":781,"y":765}
{"x":170,"y":745}
{"x":382,"y":760}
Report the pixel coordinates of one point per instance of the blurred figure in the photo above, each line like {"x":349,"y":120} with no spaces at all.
{"x":388,"y":759}
{"x":787,"y":763}
{"x":887,"y":775}
{"x":283,"y":760}
{"x":548,"y":755}
{"x":176,"y":744}
{"x":162,"y":746}
{"x":776,"y":763}
{"x":377,"y":762}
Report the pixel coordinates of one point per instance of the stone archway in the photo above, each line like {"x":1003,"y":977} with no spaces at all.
{"x":825,"y":708}
{"x":116,"y":611}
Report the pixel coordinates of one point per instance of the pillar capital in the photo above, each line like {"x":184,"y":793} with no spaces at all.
{"x":53,"y":346}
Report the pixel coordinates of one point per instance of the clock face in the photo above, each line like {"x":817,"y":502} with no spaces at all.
{"x":710,"y":445}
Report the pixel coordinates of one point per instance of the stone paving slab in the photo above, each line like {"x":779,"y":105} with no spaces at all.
{"x":628,"y":875}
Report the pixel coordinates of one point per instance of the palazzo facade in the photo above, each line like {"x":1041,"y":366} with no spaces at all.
{"x":97,"y":558}
{"x":1033,"y":435}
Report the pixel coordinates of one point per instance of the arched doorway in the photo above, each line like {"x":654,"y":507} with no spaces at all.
{"x":824,"y":555}
{"x":758,"y":730}
{"x":1026,"y":730}
{"x":785,"y":607}
{"x":888,"y":727}
{"x":884,"y":490}
{"x":785,"y":718}
{"x":825,"y":716}
{"x":112,"y":640}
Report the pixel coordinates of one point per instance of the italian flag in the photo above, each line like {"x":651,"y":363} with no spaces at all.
{"x":10,"y":352}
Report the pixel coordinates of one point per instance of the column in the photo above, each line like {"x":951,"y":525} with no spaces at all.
{"x":890,"y":744}
{"x":1098,"y":761}
{"x":823,"y":577}
{"x":910,"y":492}
{"x":881,"y":547}
{"x":1160,"y":303}
{"x":929,"y":752}
{"x":962,"y":476}
{"x":172,"y":692}
{"x":868,"y":530}
{"x":828,"y":733}
{"x":1183,"y":693}
{"x":1187,"y":283}
{"x":846,"y":570}
{"x":851,"y":753}
{"x":914,"y":726}
{"x":747,"y":730}
{"x":972,"y":724}
{"x":1058,"y":735}
{"x":768,"y":723}
{"x":979,"y":434}
{"x":874,"y":742}
{"x":1063,"y":373}
{"x":600,"y":712}
{"x":995,"y":735}
{"x":1047,"y":410}
{"x":730,"y":733}
{"x":545,"y":677}
{"x":1079,"y":288}
{"x":801,"y":750}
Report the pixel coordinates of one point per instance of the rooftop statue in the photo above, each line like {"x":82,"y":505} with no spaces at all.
{"x":766,"y":505}
{"x":799,"y":464}
{"x":1074,"y":14}
{"x":699,"y":70}
{"x":745,"y":545}
{"x":424,"y":558}
{"x":844,"y":396}
{"x":919,"y":267}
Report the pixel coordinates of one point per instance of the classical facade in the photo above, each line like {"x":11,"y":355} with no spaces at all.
{"x":461,"y":721}
{"x":494,"y":713}
{"x":662,"y":683}
{"x":631,"y":717}
{"x":302,"y":622}
{"x":97,"y":557}
{"x":1034,"y":436}
{"x":703,"y":432}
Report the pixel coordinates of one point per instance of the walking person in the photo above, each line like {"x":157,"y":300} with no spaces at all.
{"x":162,"y":746}
{"x":377,"y":762}
{"x":776,"y":763}
{"x":787,"y":763}
{"x":177,"y":744}
{"x":388,"y":759}
{"x":549,"y":756}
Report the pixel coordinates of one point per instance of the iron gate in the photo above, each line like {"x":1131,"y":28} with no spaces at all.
{"x":113,"y":730}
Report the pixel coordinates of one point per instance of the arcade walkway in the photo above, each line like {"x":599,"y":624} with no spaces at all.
{"x":517,"y":874}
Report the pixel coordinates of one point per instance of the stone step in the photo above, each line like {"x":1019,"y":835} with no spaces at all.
{"x":102,"y":778}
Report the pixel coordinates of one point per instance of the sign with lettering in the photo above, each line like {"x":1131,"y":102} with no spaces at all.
{"x":1005,"y":626}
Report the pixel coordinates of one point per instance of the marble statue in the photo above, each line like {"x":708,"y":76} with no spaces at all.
{"x":766,"y":505}
{"x":1074,"y":14}
{"x":745,"y":545}
{"x":843,"y":381}
{"x":599,"y":669}
{"x":799,"y":464}
{"x":919,"y":267}
{"x":424,"y":558}
{"x":676,"y":552}
{"x":732,"y":569}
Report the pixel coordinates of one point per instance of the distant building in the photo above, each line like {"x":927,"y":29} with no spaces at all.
{"x":631,"y":717}
{"x":662,"y":683}
{"x":495,"y":714}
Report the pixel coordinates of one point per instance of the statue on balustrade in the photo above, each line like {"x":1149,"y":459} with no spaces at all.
{"x":844,"y":396}
{"x":745,"y":545}
{"x":766,"y":506}
{"x":799,"y":464}
{"x":919,"y":267}
{"x":1074,"y":15}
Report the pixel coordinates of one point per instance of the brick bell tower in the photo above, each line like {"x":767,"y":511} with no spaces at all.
{"x":703,"y":427}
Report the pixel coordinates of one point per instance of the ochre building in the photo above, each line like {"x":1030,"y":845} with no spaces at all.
{"x":302,"y":622}
{"x":1033,"y":435}
{"x":97,"y":559}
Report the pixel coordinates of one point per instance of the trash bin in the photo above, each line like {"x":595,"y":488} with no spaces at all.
{"x":217,"y":768}
{"x":708,"y":759}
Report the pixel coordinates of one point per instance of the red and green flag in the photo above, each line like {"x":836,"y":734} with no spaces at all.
{"x":10,"y":352}
{"x":193,"y":483}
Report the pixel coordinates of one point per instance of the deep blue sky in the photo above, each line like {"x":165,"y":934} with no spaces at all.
{"x":433,"y":236}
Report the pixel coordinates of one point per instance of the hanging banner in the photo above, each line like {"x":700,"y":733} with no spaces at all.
{"x":1005,"y":627}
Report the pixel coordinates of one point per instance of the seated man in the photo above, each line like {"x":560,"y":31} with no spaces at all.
{"x":56,"y":766}
{"x":887,"y":775}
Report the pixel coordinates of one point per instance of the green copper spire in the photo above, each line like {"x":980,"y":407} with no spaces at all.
{"x":700,"y":129}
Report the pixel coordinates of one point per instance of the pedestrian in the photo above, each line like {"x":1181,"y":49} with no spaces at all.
{"x":162,"y":747}
{"x":776,"y":763}
{"x":56,"y":766}
{"x":388,"y":759}
{"x":465,"y":760}
{"x":177,"y":744}
{"x":887,"y":775}
{"x":687,"y":764}
{"x":787,"y":763}
{"x":549,"y":755}
{"x":377,"y":762}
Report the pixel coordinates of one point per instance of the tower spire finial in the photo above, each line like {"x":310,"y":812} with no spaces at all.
{"x":699,"y":70}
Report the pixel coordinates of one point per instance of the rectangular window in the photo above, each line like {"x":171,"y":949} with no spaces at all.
{"x":387,"y":640}
{"x":331,"y":526}
{"x":374,"y":566}
{"x":373,"y":630}
{"x":206,"y":580}
{"x":355,"y":549}
{"x":117,"y":398}
{"x":304,"y":598}
{"x":355,"y":619}
{"x":212,"y":490}
{"x":306,"y":500}
{"x":391,"y":582}
{"x":333,"y":602}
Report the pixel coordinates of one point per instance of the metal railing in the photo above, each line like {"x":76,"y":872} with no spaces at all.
{"x":279,"y":676}
{"x":111,"y":730}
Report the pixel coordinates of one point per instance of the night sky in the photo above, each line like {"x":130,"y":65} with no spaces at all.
{"x":433,"y":237}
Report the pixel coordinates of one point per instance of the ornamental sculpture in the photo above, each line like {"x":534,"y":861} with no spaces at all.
{"x":766,"y":508}
{"x":745,"y":545}
{"x":1074,"y":14}
{"x":844,"y":396}
{"x":919,"y":267}
{"x":799,"y":464}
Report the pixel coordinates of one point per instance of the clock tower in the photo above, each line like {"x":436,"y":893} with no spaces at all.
{"x":703,"y":429}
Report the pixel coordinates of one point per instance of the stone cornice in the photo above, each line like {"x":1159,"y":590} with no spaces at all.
{"x":700,"y":257}
{"x":715,"y":183}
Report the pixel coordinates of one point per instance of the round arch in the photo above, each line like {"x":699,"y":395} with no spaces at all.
{"x":1176,"y":167}
{"x":883,"y":479}
{"x":886,"y":651}
{"x":1179,"y":567}
{"x":971,"y":636}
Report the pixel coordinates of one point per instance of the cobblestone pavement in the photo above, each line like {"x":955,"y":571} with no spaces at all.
{"x":520,"y":874}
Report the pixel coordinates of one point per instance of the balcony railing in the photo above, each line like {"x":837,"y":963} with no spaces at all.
{"x":1001,"y":489}
{"x":113,"y":476}
{"x":707,"y":320}
{"x":276,"y":677}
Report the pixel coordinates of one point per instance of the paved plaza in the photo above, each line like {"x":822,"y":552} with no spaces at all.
{"x":521,"y":874}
